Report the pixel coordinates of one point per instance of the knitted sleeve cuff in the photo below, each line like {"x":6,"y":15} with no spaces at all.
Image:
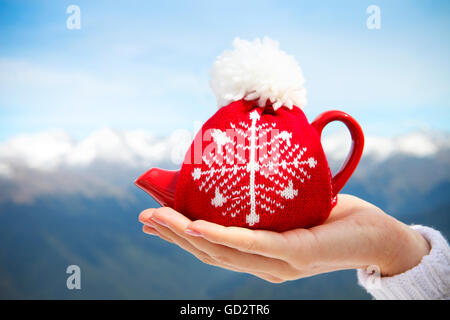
{"x":430,"y":279}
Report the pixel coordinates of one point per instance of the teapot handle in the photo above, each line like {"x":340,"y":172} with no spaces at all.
{"x":349,"y":166}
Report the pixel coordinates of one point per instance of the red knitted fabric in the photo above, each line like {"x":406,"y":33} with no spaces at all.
{"x":257,"y":168}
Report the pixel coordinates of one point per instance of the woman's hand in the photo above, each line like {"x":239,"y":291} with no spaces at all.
{"x":356,"y":235}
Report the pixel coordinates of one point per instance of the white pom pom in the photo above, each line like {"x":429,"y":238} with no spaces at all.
{"x":258,"y":70}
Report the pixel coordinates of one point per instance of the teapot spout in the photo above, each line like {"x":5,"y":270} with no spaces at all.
{"x":160,"y":184}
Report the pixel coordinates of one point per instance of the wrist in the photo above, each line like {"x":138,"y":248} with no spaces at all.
{"x":408,"y":249}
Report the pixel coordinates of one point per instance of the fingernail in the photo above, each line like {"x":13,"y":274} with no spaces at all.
{"x":193,"y":233}
{"x":160,"y":222}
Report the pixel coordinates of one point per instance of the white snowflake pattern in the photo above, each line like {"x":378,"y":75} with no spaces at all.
{"x":274,"y":159}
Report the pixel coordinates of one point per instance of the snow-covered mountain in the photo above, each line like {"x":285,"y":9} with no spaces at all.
{"x":418,"y":144}
{"x":65,"y":201}
{"x":53,"y":150}
{"x":49,"y":151}
{"x":104,"y":163}
{"x":107,"y":161}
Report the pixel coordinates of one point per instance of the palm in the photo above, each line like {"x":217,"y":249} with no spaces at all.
{"x":339,"y":242}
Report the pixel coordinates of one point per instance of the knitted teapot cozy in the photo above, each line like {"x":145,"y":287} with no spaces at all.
{"x":257,"y":162}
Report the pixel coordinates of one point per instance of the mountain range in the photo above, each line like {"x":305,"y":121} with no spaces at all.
{"x":65,"y":201}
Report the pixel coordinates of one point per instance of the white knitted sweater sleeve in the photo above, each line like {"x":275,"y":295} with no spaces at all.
{"x":430,"y":279}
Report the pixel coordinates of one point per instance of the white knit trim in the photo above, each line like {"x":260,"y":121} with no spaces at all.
{"x":429,"y":280}
{"x":258,"y":70}
{"x":253,"y":218}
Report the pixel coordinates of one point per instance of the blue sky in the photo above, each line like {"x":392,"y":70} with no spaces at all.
{"x":145,"y":64}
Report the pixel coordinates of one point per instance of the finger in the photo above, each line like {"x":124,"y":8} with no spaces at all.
{"x":248,"y":262}
{"x":171,"y":236}
{"x":149,"y":230}
{"x":205,"y":258}
{"x":145,"y":218}
{"x":146,"y":215}
{"x":262,"y":242}
{"x":267,"y":277}
{"x":169,"y":218}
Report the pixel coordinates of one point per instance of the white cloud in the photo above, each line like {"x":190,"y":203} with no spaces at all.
{"x":42,"y":151}
{"x":51,"y":150}
{"x":5,"y":170}
{"x":48,"y":151}
{"x":104,"y":163}
{"x":415,"y":144}
{"x":107,"y":161}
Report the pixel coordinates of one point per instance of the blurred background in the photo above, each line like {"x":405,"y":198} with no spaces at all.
{"x":93,"y":93}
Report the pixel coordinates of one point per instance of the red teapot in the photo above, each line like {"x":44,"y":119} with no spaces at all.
{"x":257,"y":162}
